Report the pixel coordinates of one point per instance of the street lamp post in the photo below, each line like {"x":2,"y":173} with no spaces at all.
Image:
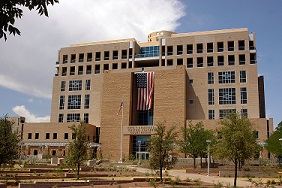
{"x":208,"y":142}
{"x":139,"y":149}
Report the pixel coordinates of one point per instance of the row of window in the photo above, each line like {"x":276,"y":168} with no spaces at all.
{"x":74,"y":117}
{"x":227,"y":77}
{"x":208,"y":47}
{"x":74,"y":102}
{"x":55,"y":136}
{"x":75,"y":85}
{"x":227,"y":96}
{"x":224,"y":112}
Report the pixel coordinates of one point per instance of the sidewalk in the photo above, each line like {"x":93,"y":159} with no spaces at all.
{"x":208,"y":179}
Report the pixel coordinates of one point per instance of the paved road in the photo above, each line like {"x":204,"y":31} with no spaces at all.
{"x":208,"y":179}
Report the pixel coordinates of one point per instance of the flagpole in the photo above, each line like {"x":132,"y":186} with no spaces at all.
{"x":121,"y":132}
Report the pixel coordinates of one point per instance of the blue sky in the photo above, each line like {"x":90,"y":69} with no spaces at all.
{"x":28,"y":61}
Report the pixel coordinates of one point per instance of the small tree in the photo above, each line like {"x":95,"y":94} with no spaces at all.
{"x":77,"y":152}
{"x":194,"y":140}
{"x":161,"y":145}
{"x":236,"y":141}
{"x":273,"y":144}
{"x":9,"y":142}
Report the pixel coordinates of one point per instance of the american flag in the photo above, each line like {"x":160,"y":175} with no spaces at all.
{"x":120,"y":107}
{"x":145,"y":90}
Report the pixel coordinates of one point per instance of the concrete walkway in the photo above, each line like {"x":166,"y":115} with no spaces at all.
{"x":208,"y":179}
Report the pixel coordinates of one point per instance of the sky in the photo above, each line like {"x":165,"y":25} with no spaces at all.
{"x":28,"y":61}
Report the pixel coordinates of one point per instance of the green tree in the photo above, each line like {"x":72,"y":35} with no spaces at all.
{"x":273,"y":144}
{"x":161,"y":146}
{"x":193,"y":141}
{"x":236,"y":141}
{"x":77,"y":151}
{"x":9,"y":141}
{"x":11,"y":10}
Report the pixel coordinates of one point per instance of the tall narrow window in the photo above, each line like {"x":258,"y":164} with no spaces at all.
{"x":241,"y":45}
{"x":63,"y":85}
{"x":124,"y":54}
{"x":210,"y":61}
{"x":242,"y":59}
{"x":88,"y":69}
{"x":211,"y":114}
{"x":170,"y":50}
{"x":89,"y":57}
{"x":244,"y":112}
{"x":36,"y":135}
{"x":220,"y":60}
{"x":211,"y":96}
{"x":189,"y":62}
{"x":231,"y":60}
{"x":86,"y":101}
{"x":199,"y":48}
{"x":179,"y":49}
{"x":61,"y":118}
{"x":47,"y":136}
{"x":115,"y":54}
{"x":98,"y":56}
{"x":64,"y":71}
{"x":106,"y":55}
{"x":210,"y":47}
{"x":86,"y":118}
{"x":200,"y":62}
{"x":244,"y":95}
{"x":243,"y":76}
{"x":73,"y":58}
{"x":65,"y":59}
{"x":97,"y":69}
{"x":80,"y":70}
{"x":253,"y":58}
{"x":210,"y":78}
{"x":231,"y":46}
{"x":72,"y":70}
{"x":55,"y":135}
{"x":81,"y":57}
{"x":189,"y":48}
{"x":220,"y":47}
{"x":62,"y":102}
{"x":66,"y":136}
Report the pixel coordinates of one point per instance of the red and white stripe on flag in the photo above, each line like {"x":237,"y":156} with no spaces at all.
{"x":145,"y":90}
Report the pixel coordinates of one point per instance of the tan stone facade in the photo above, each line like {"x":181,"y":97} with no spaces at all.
{"x":199,"y":76}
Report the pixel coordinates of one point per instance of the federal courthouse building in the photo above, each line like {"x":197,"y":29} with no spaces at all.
{"x":122,"y":88}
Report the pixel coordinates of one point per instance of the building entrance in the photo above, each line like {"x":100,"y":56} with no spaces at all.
{"x":143,"y":155}
{"x":139,"y":146}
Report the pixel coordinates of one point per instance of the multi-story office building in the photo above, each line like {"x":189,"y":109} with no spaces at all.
{"x":171,"y":78}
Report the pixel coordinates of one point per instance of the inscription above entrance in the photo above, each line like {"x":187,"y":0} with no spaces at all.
{"x":138,"y":130}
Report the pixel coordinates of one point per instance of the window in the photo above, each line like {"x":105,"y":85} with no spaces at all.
{"x":210,"y":47}
{"x":47,"y":136}
{"x":86,"y":101}
{"x":53,"y":152}
{"x":72,"y":70}
{"x":64,"y":71}
{"x":115,"y":65}
{"x":106,"y":55}
{"x":243,"y":76}
{"x":189,"y":48}
{"x":241,"y":45}
{"x":211,"y":114}
{"x":244,"y":112}
{"x":73,"y":117}
{"x":35,"y":152}
{"x":242,"y":59}
{"x":169,"y":62}
{"x":179,"y":61}
{"x":66,"y":136}
{"x":62,"y":102}
{"x":65,"y":59}
{"x":98,"y":56}
{"x":191,"y":101}
{"x":189,"y":62}
{"x":74,"y":101}
{"x":75,"y":85}
{"x":199,"y":48}
{"x":124,"y":54}
{"x":106,"y":66}
{"x":244,"y":95}
{"x":81,"y":58}
{"x":199,"y":62}
{"x":55,"y":135}
{"x":97,"y":69}
{"x":224,"y":112}
{"x":179,"y":49}
{"x":210,"y":78}
{"x":230,"y":45}
{"x":211,"y":96}
{"x":29,"y":136}
{"x":191,"y":81}
{"x":36,"y":135}
{"x":231,"y":60}
{"x":87,"y":84}
{"x":88,"y":69}
{"x":253,"y":58}
{"x":251,"y":45}
{"x":227,"y":96}
{"x":80,"y":70}
{"x":73,"y":57}
{"x":63,"y":85}
{"x":170,"y":50}
{"x":226,"y":77}
{"x":61,"y":118}
{"x":123,"y":65}
{"x":89,"y":57}
{"x":210,"y":61}
{"x":220,"y":47}
{"x":86,"y":118}
{"x":115,"y":54}
{"x":220,"y":60}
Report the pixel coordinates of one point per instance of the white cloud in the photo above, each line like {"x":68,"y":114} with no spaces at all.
{"x":22,"y":111}
{"x":28,"y":61}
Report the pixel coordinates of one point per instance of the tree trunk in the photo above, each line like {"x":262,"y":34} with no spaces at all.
{"x":194,"y":161}
{"x":236,"y":170}
{"x":78,"y":168}
{"x":161,"y":174}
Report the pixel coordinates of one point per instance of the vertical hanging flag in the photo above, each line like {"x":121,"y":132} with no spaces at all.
{"x":145,"y":90}
{"x":120,"y":107}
